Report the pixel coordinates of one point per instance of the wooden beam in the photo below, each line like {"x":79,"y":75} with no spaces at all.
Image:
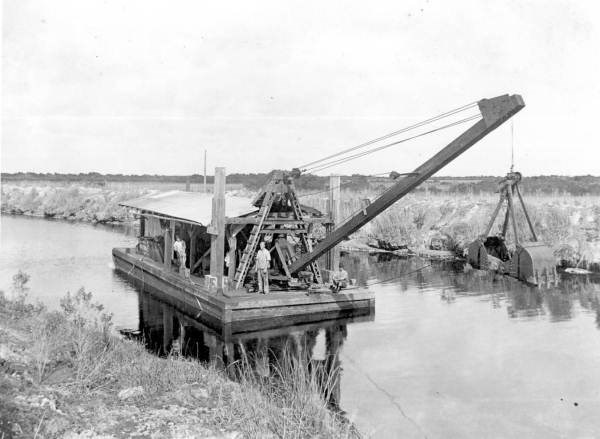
{"x":282,"y":259}
{"x":282,"y":231}
{"x":168,"y":235}
{"x":192,"y":248}
{"x":333,"y":256}
{"x":280,"y":221}
{"x":217,"y":241}
{"x":142,"y":226}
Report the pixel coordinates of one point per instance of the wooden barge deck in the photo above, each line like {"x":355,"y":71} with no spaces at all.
{"x":231,"y":307}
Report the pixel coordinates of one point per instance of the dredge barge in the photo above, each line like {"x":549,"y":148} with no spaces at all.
{"x":222,"y":233}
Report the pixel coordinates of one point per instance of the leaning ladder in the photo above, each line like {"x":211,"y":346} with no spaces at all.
{"x":253,"y":239}
{"x":306,"y":242}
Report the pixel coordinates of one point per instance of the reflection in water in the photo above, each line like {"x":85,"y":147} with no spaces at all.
{"x":169,"y":330}
{"x":451,"y":280}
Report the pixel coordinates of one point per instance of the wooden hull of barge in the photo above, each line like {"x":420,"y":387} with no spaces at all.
{"x":247,"y":310}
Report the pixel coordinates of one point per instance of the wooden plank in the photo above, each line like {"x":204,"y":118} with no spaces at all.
{"x":217,"y":241}
{"x":279,"y":221}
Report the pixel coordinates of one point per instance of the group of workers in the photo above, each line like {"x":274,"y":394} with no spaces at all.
{"x":339,"y":278}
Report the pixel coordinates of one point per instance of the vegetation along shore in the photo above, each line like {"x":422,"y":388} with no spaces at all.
{"x":66,"y":374}
{"x":432,"y":219}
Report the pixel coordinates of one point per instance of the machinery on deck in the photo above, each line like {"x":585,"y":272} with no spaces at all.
{"x":530,"y":261}
{"x":280,"y":214}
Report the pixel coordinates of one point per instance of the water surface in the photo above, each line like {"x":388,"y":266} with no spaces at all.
{"x":448,"y":353}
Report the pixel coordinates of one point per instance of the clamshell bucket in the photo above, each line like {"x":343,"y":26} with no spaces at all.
{"x":490,"y":254}
{"x":533,"y":262}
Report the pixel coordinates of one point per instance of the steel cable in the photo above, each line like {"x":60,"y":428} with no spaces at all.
{"x":388,"y":145}
{"x":394,"y":133}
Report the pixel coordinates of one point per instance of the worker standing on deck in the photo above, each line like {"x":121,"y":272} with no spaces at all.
{"x":263,"y":262}
{"x":179,"y":248}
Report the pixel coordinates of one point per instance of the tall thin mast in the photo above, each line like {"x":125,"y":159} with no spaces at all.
{"x":204,"y":190}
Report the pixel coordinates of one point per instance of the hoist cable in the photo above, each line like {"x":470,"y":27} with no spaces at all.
{"x":379,"y":148}
{"x":411,"y":127}
{"x":512,"y":145}
{"x":350,"y":182}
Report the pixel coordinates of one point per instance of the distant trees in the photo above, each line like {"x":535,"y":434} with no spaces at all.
{"x":549,"y":184}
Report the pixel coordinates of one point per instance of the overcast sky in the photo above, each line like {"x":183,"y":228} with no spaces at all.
{"x":145,"y":86}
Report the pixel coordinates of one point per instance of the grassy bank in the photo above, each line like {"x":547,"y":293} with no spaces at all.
{"x":89,"y":204}
{"x":64,"y":373}
{"x":570,"y":225}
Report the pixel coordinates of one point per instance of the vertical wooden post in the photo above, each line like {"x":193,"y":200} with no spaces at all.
{"x":217,"y":238}
{"x":142,"y":226}
{"x":167,"y":316}
{"x":192,"y":248}
{"x":232,"y":261}
{"x":333,"y":257}
{"x":169,"y":244}
{"x":182,"y":345}
{"x":204,"y":171}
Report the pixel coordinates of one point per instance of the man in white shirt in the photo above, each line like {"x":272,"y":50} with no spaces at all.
{"x":179,"y":249}
{"x":263,"y":262}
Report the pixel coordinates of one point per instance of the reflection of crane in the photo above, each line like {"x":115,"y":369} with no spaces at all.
{"x":279,"y":199}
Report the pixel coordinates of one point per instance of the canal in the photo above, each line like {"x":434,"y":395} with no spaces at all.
{"x":448,"y":353}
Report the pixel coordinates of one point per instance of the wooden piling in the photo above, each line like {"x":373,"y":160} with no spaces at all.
{"x":232,"y":258}
{"x":333,"y":256}
{"x":169,"y":238}
{"x":167,"y":315}
{"x":217,"y":239}
{"x":142,"y":226}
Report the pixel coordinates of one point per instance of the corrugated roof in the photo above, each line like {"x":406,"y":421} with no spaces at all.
{"x":190,"y":206}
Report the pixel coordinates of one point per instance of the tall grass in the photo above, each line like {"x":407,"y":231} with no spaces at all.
{"x":291,"y":398}
{"x":566,"y":223}
{"x":77,"y":340}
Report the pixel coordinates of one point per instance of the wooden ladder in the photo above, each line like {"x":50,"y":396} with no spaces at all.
{"x":306,"y":242}
{"x":253,"y":239}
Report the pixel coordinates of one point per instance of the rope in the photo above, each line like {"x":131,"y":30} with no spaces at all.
{"x":512,"y":144}
{"x":379,"y":148}
{"x":411,"y":127}
{"x":349,"y":182}
{"x":386,"y":393}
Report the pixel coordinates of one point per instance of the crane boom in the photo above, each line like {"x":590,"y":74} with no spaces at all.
{"x":494,"y":111}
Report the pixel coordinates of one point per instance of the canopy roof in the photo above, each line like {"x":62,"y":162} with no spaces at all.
{"x":189,"y":206}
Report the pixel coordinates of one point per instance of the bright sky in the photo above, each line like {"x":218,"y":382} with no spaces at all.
{"x":144,"y":86}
